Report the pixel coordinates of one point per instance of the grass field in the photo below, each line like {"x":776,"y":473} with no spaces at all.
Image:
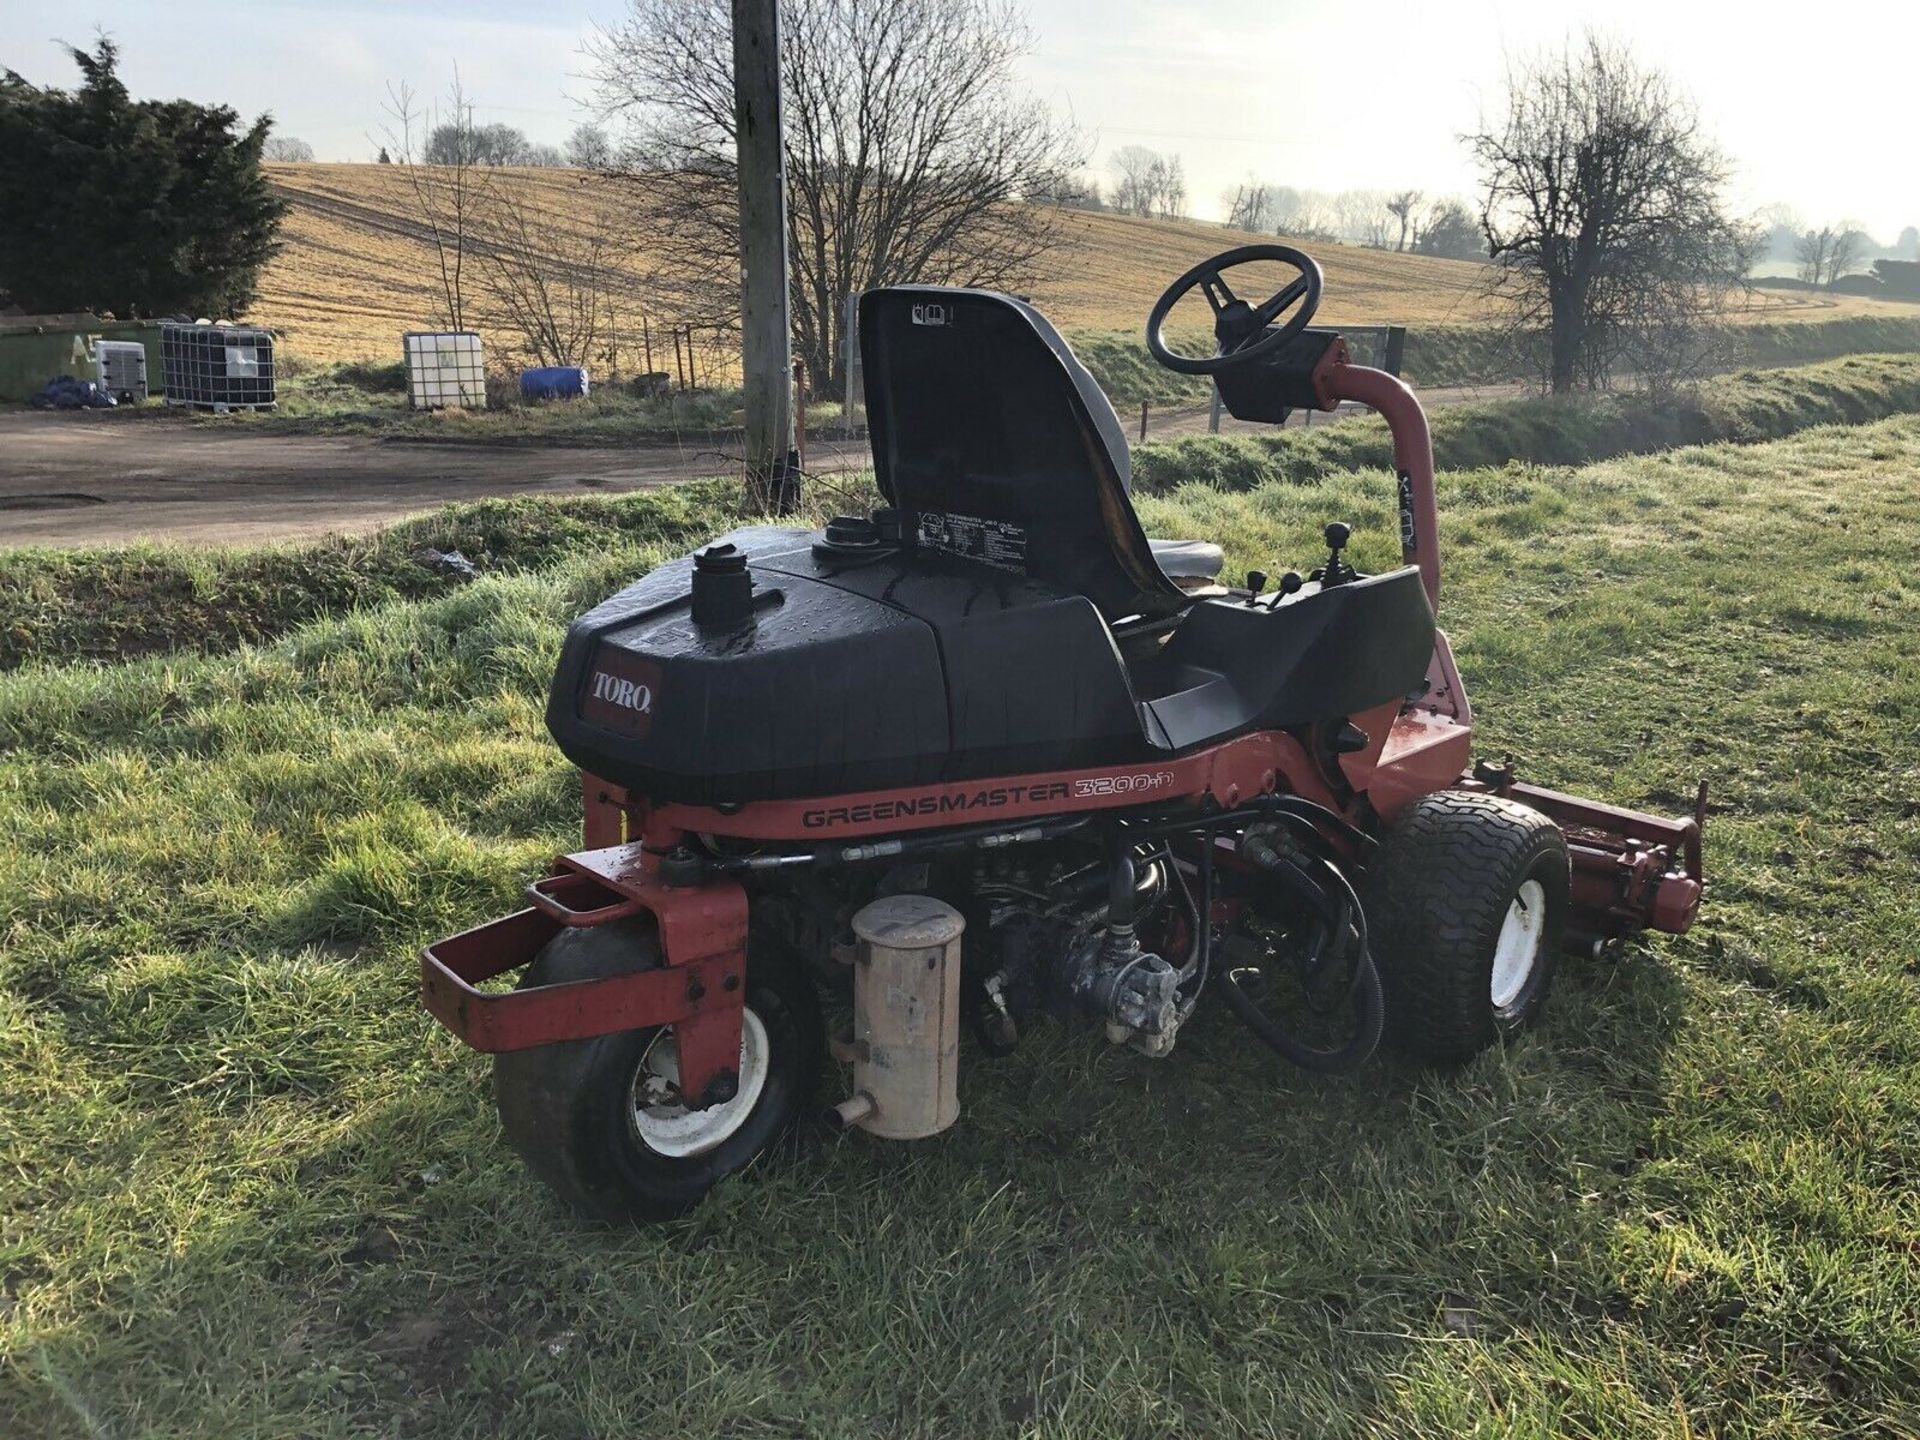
{"x":356,"y":272}
{"x":1748,"y":406}
{"x":1469,"y":355}
{"x":252,"y":1190}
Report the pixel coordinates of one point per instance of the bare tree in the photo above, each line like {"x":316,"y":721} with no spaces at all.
{"x":1137,"y":173}
{"x":1303,"y":214}
{"x":448,"y":199}
{"x":1814,"y":253}
{"x":1250,"y":206}
{"x":1824,"y":255}
{"x":1146,"y":182}
{"x":1451,"y":232}
{"x":461,"y":142}
{"x":910,"y":149}
{"x":1170,"y":187}
{"x":588,"y":148}
{"x":1362,"y":217}
{"x":1069,"y":190}
{"x":559,"y":305}
{"x":1604,"y":215}
{"x":286,"y":149}
{"x":1850,"y":247}
{"x":1404,"y":206}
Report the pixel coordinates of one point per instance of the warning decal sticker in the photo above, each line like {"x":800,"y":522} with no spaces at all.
{"x":997,"y":542}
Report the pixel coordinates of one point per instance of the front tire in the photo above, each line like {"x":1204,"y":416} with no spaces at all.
{"x":596,"y":1119}
{"x":1466,"y":901}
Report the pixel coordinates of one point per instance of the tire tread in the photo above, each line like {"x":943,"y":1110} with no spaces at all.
{"x":1436,"y":895}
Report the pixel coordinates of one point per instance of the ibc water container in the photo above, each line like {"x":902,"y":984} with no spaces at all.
{"x":445,"y":368}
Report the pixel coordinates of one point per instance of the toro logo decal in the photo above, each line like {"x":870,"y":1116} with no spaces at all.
{"x":619,"y":693}
{"x":616,"y":691}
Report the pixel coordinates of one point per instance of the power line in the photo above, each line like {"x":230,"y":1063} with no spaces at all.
{"x":1226,"y":139}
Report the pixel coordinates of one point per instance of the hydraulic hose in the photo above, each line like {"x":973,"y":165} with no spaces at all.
{"x":1343,"y":924}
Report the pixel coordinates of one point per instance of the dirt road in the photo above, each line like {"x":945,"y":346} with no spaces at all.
{"x":91,"y":479}
{"x":107,"y":478}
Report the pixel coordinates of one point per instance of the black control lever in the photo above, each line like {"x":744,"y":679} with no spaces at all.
{"x":1336,"y":571}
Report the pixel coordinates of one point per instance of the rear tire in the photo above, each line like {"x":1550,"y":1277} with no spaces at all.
{"x":1466,"y":904}
{"x":582,"y":1114}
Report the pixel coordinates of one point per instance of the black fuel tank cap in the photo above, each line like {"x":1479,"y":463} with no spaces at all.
{"x":852,"y":530}
{"x":722,"y":588}
{"x":849,"y":535}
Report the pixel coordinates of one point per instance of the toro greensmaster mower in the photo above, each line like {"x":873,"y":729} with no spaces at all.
{"x":991,"y":755}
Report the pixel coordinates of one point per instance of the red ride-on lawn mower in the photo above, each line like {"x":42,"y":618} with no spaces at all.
{"x":991,"y":752}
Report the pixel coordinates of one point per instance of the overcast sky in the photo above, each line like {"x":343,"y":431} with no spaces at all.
{"x":1817,"y":109}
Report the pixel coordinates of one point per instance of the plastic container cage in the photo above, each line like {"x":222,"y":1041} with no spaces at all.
{"x":445,"y":368}
{"x":218,"y":367}
{"x":121,"y":367}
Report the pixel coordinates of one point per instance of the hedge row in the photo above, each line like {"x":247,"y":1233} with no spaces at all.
{"x":1475,"y":355}
{"x":1748,"y":406}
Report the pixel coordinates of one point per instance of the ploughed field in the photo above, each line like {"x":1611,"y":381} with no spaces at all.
{"x":357,"y":269}
{"x":252,"y":1189}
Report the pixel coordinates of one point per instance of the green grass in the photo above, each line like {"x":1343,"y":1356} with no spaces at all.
{"x":140,"y":600}
{"x":1119,"y":362}
{"x":250,"y":1189}
{"x":368,"y":399}
{"x":1748,"y":406}
{"x":1443,"y":355}
{"x":130,"y":602}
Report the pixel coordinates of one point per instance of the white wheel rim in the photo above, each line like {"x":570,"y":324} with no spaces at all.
{"x":1518,"y":949}
{"x":663,"y":1124}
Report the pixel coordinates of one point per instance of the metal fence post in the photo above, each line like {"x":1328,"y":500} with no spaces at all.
{"x":800,"y":411}
{"x":853,"y":379}
{"x":1396,"y":348}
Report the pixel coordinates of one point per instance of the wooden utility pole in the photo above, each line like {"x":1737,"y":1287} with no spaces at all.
{"x":764,"y":327}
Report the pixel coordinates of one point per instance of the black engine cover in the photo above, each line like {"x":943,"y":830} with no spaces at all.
{"x":855,"y":672}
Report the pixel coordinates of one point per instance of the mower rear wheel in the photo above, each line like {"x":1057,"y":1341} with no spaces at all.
{"x":599,"y":1120}
{"x":1466,"y":901}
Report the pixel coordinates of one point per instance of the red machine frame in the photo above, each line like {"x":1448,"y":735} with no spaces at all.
{"x":1630,"y":870}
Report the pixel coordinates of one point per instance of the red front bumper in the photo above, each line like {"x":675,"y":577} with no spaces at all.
{"x":700,"y":989}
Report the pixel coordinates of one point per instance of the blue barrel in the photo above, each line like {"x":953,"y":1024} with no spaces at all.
{"x":553,"y":382}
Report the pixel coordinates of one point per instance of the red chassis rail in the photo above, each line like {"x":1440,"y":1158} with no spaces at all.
{"x":1631,"y":871}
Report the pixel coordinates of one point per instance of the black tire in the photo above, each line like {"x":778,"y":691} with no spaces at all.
{"x":1437,"y":895}
{"x":566,"y":1107}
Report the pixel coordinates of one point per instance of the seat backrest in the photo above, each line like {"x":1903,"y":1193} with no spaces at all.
{"x":988,"y":429}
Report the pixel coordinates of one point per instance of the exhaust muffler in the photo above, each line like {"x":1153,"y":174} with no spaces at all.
{"x":906,"y":1018}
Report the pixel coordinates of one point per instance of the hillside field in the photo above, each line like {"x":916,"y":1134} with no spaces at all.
{"x":253,"y":1190}
{"x":356,"y":271}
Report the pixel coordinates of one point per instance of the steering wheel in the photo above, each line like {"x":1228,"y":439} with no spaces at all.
{"x":1240,"y":330}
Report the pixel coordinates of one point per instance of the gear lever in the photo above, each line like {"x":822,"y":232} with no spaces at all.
{"x":1336,"y":571}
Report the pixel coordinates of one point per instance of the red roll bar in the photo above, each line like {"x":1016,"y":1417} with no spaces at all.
{"x":1334,"y":381}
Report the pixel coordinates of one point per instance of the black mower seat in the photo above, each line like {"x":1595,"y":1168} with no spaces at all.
{"x":987,"y":428}
{"x":1188,"y":559}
